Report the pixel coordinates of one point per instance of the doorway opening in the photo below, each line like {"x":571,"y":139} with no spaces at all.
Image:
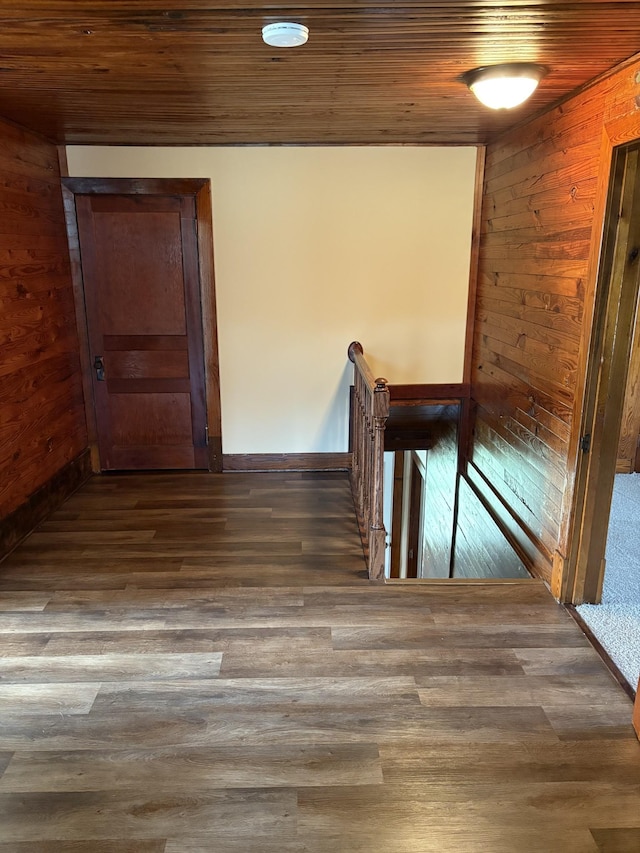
{"x":615,"y":620}
{"x":610,"y":430}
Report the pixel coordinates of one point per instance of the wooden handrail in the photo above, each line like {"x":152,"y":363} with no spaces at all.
{"x":369,"y":414}
{"x":356,"y":355}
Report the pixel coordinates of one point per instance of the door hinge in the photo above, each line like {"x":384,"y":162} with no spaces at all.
{"x":206,"y":433}
{"x":585,"y":442}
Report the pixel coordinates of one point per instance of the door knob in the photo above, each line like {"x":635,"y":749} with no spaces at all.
{"x":98,"y":365}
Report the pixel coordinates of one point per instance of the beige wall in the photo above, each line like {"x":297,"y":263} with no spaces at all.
{"x":314,"y":248}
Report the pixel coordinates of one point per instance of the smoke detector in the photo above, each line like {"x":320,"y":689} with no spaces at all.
{"x":285,"y":34}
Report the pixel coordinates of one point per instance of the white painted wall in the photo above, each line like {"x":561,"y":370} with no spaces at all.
{"x":314,"y":248}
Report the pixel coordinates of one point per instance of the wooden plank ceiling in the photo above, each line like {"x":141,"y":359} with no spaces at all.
{"x":382,"y":71}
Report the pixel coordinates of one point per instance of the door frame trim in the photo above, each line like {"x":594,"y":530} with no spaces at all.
{"x":200,"y":189}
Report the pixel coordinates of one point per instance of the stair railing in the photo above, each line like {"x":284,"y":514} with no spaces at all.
{"x":369,"y":413}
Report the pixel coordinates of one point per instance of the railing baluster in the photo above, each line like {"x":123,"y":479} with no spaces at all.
{"x":369,"y":414}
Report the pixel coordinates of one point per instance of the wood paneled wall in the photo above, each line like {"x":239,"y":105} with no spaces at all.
{"x":543,"y":198}
{"x":42,"y":423}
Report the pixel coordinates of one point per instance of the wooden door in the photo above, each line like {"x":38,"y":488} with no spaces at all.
{"x":139,"y":256}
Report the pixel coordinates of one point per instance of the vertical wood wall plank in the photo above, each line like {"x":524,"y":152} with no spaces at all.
{"x":210,"y":324}
{"x":473,"y":264}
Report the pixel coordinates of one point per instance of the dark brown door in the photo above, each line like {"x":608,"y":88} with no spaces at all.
{"x":141,"y":279}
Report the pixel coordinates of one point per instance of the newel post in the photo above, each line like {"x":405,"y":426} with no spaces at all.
{"x":377,"y":534}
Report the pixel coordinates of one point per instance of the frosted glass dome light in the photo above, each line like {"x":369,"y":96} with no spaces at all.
{"x":502,"y":87}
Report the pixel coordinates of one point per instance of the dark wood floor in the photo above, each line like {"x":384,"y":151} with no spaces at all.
{"x":197,"y":663}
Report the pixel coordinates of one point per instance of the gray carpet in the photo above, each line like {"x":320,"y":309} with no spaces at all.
{"x":616,"y":621}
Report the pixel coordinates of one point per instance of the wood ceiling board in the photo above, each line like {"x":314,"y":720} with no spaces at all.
{"x":196,"y":72}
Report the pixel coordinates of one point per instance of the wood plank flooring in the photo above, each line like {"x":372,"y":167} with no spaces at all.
{"x":196,"y":663}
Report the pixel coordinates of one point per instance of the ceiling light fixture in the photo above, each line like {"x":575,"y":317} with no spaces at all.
{"x":502,"y":87}
{"x":285,"y":34}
